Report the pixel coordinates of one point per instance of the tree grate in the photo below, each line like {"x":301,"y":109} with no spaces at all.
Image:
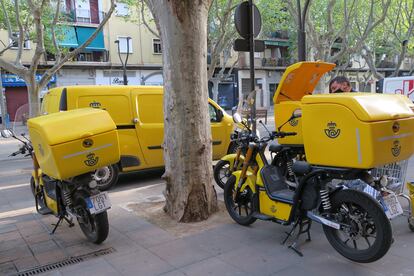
{"x":67,"y":262}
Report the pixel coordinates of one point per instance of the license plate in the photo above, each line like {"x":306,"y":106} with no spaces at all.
{"x":98,"y":203}
{"x":392,"y":206}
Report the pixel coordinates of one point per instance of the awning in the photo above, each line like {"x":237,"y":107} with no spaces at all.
{"x":277,"y":43}
{"x":66,"y":35}
{"x":83,"y":34}
{"x":11,"y":80}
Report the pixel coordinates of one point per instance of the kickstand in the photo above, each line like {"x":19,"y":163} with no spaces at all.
{"x":304,"y":227}
{"x":69,"y":221}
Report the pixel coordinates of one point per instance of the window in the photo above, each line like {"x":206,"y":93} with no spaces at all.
{"x":122,"y":9}
{"x":156,"y":43}
{"x":26,"y":43}
{"x":123,"y":45}
{"x":213,"y":113}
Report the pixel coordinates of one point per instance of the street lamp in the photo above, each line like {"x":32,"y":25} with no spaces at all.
{"x":124,"y":64}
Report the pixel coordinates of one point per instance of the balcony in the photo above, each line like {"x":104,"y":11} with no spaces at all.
{"x":275,"y":62}
{"x":86,"y":57}
{"x":82,"y":16}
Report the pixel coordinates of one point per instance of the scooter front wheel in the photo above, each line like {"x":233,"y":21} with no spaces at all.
{"x":366,"y":234}
{"x":222,"y":173}
{"x":240,"y":207}
{"x":94,"y":227}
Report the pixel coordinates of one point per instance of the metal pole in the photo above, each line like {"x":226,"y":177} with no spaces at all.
{"x":301,"y":30}
{"x":252,"y":77}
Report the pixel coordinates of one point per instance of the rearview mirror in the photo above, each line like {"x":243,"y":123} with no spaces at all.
{"x":297,"y":113}
{"x":237,"y":118}
{"x":5,"y":133}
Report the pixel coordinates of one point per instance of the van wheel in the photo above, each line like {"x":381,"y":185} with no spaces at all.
{"x":106,"y":177}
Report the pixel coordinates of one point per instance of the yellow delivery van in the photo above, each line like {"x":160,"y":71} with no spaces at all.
{"x":138,"y":114}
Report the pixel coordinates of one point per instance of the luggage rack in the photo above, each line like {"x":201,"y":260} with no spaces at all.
{"x":396,"y":174}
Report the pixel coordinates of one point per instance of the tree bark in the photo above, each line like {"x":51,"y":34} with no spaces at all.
{"x":190,"y":195}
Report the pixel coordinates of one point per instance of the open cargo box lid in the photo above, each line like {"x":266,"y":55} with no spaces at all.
{"x":71,"y":125}
{"x":300,"y":79}
{"x":368,"y":107}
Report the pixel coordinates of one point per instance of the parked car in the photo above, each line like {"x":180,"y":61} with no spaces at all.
{"x":138,"y":114}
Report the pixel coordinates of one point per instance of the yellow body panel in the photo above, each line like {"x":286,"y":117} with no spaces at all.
{"x":284,"y":112}
{"x":137,"y":111}
{"x":276,"y":209}
{"x":77,"y":149}
{"x":51,"y":204}
{"x":335,"y":135}
{"x":231,"y":158}
{"x":300,"y":79}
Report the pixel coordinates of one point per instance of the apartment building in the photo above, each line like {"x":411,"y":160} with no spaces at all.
{"x":99,"y":63}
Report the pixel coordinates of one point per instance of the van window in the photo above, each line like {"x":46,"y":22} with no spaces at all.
{"x":118,"y":106}
{"x":213,"y":113}
{"x":150,"y":109}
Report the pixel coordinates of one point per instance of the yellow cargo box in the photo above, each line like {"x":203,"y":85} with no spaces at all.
{"x":74,"y":142}
{"x":357,"y":130}
{"x":299,"y":80}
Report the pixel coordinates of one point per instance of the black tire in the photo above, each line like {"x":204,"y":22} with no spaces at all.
{"x":106,"y":177}
{"x":32,"y":185}
{"x":222,"y":173}
{"x":94,"y":227}
{"x":243,"y":202}
{"x":373,"y":224}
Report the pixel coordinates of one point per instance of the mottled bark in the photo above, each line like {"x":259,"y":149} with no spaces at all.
{"x":189,"y":193}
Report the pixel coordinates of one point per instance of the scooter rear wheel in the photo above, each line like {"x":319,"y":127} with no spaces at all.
{"x":94,"y":227}
{"x":240,"y":208}
{"x":368,"y":235}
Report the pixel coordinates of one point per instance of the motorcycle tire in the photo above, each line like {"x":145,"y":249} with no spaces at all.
{"x":367,"y":220}
{"x":245,"y":202}
{"x":221,"y":173}
{"x":96,"y":228}
{"x":32,"y":185}
{"x":108,"y":178}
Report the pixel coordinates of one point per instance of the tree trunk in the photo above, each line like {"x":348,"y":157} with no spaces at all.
{"x":190,"y":195}
{"x":33,"y":91}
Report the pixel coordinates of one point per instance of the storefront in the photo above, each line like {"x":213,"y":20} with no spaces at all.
{"x":135,"y":77}
{"x":16,"y":94}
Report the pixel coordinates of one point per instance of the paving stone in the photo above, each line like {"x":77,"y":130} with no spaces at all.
{"x":15,"y":253}
{"x":180,"y":253}
{"x":26,"y":263}
{"x":10,"y":244}
{"x":6,"y":228}
{"x":50,"y":256}
{"x":252,"y":261}
{"x":92,"y":267}
{"x":214,"y":242}
{"x":7,"y":268}
{"x":212,"y":266}
{"x":37,"y":238}
{"x":44,"y":246}
{"x":150,"y":236}
{"x":139,"y":262}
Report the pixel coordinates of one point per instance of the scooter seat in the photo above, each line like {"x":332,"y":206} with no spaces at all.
{"x":284,"y":195}
{"x":275,"y":147}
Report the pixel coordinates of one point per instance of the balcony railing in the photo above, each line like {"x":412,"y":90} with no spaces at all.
{"x":387,"y":64}
{"x":83,"y":16}
{"x":101,"y":56}
{"x":275,"y":62}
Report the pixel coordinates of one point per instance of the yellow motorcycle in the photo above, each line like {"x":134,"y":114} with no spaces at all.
{"x":62,"y":180}
{"x":354,"y":222}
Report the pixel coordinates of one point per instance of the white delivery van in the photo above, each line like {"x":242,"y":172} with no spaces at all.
{"x":399,"y":85}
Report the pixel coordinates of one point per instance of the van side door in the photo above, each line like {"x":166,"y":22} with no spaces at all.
{"x":149,"y":124}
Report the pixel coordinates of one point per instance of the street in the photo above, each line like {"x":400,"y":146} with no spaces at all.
{"x":136,"y":246}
